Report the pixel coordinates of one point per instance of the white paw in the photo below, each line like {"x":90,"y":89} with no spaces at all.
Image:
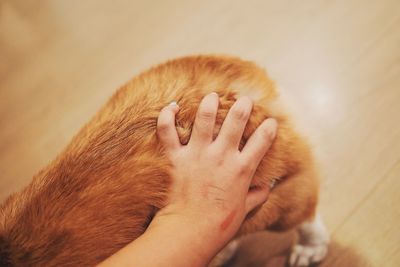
{"x":305,"y":255}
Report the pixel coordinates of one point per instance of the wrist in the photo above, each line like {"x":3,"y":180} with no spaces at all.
{"x":211,"y":233}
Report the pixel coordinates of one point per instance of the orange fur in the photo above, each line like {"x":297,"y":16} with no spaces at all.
{"x":102,"y":191}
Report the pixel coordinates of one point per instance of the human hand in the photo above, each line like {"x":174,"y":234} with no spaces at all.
{"x":211,"y":178}
{"x":210,"y":194}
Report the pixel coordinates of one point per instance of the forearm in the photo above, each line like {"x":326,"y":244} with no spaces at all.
{"x":166,"y":244}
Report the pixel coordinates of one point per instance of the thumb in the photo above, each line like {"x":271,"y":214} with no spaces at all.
{"x":166,"y":130}
{"x":256,"y":197}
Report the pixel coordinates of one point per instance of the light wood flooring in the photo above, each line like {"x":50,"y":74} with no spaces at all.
{"x":337,"y":64}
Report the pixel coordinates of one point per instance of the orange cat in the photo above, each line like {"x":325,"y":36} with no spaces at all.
{"x":102,"y":191}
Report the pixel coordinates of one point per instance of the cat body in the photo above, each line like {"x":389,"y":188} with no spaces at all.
{"x":102,"y":191}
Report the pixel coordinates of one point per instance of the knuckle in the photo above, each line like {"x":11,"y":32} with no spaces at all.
{"x":206,"y":115}
{"x":243,"y":166}
{"x":216,"y":155}
{"x":240,"y":113}
{"x":218,"y":161}
{"x":267,"y":133}
{"x":215,"y":152}
{"x":242,"y":108}
{"x":163,"y":126}
{"x":201,"y":133}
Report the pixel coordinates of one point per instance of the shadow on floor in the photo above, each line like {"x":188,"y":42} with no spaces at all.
{"x":271,"y":250}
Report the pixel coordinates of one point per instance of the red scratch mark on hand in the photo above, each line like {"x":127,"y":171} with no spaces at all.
{"x":228,"y":220}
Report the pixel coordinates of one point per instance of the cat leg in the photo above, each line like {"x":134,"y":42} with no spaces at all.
{"x":312,"y":245}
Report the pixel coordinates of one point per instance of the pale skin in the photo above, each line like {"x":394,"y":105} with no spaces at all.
{"x":210,"y":194}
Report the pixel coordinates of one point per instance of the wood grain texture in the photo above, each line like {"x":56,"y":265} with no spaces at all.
{"x":337,"y":64}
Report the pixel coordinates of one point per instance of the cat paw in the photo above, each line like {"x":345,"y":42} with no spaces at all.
{"x":306,"y":255}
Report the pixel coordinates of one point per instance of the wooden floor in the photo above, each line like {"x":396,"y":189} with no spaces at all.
{"x":337,"y":64}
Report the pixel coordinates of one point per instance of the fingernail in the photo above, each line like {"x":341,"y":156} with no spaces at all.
{"x":173,"y":103}
{"x":214,"y":93}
